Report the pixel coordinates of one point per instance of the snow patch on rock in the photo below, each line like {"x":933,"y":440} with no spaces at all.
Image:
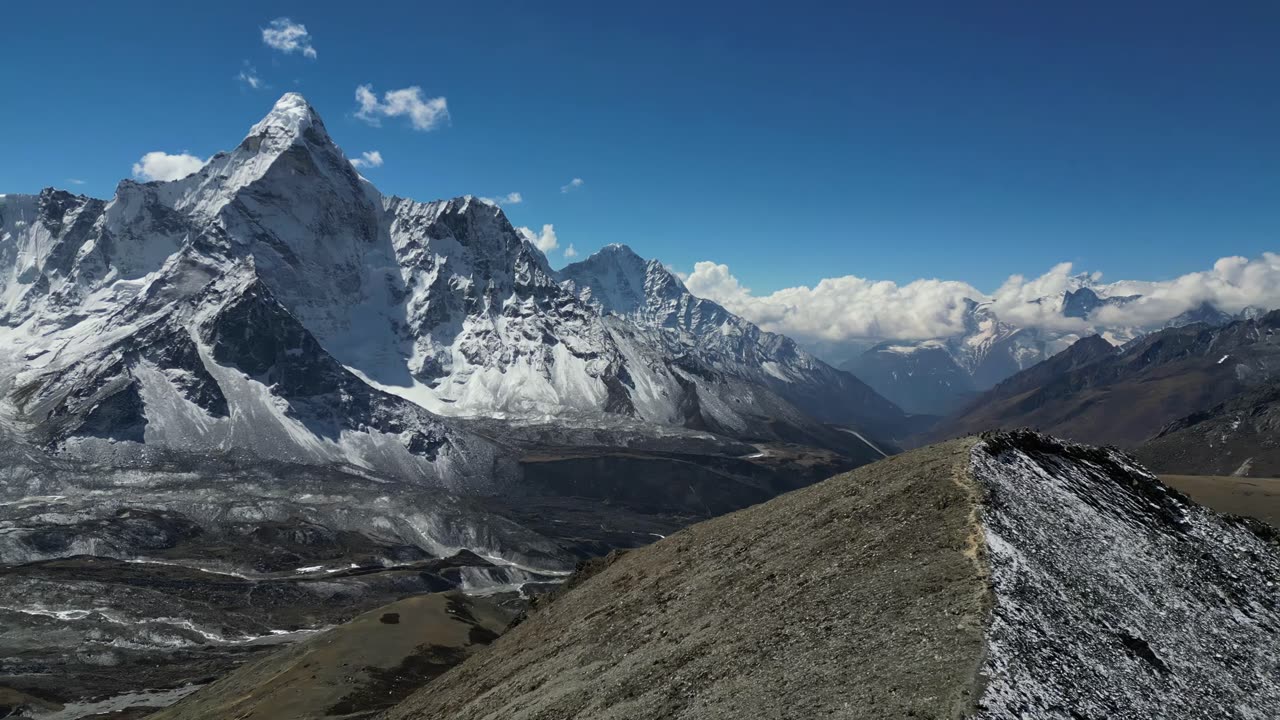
{"x":1117,"y":597}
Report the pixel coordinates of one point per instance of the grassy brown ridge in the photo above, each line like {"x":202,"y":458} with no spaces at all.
{"x":860,"y":597}
{"x":356,"y":669}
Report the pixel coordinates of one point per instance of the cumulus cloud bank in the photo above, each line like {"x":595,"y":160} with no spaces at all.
{"x":841,"y":308}
{"x":1233,"y":284}
{"x":163,"y":166}
{"x":850,"y":307}
{"x":423,"y":114}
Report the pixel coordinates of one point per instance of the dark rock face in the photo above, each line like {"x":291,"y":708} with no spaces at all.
{"x":255,"y":335}
{"x":1083,"y":302}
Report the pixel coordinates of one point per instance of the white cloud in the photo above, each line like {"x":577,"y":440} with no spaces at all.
{"x":545,"y":241}
{"x":841,"y":308}
{"x":570,"y":252}
{"x":1015,"y":300}
{"x":249,"y":77}
{"x":848,"y":308}
{"x":368,"y":159}
{"x":513,"y":198}
{"x":573,"y":184}
{"x":75,"y":181}
{"x":1233,"y":284}
{"x":288,"y":36}
{"x":163,"y":166}
{"x":408,"y":102}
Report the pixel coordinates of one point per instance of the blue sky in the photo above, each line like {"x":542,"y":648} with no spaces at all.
{"x":792,"y":141}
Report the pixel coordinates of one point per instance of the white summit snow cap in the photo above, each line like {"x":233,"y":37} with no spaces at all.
{"x":289,"y":118}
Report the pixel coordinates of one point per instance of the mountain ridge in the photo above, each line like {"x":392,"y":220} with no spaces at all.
{"x":441,"y":305}
{"x":988,"y":577}
{"x":1124,"y":396}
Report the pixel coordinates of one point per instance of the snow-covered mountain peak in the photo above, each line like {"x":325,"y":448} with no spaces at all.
{"x":292,"y":138}
{"x":617,"y":250}
{"x":291,"y":121}
{"x":615,"y":278}
{"x":291,"y":113}
{"x":276,"y":277}
{"x":615,"y":256}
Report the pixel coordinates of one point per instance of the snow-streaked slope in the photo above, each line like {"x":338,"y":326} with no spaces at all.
{"x":1115,"y":596}
{"x":487,"y":330}
{"x":702,"y":332}
{"x":228,"y":369}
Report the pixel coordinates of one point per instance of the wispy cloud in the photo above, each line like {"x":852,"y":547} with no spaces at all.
{"x":570,"y":252}
{"x":407,"y":102}
{"x":163,"y":166}
{"x":249,"y":77}
{"x":288,"y":36}
{"x":545,"y":241}
{"x":75,"y":181}
{"x":513,"y":198}
{"x":368,"y":159}
{"x":573,"y":184}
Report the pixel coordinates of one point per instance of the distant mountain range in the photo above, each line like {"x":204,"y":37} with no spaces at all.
{"x":941,"y":375}
{"x":1193,"y":390}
